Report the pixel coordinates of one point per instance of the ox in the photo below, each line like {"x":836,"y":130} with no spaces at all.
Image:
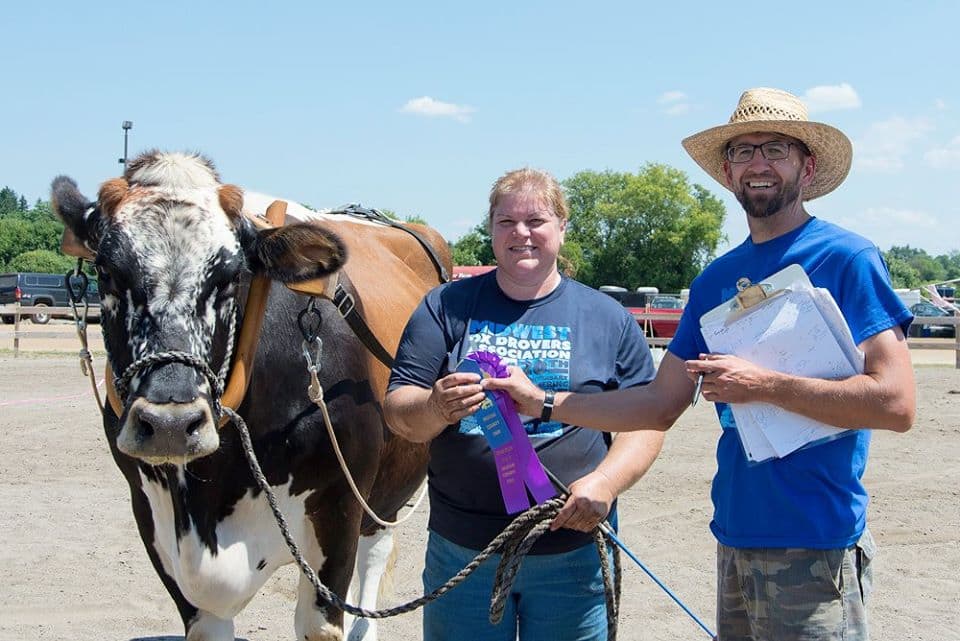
{"x":174,"y":254}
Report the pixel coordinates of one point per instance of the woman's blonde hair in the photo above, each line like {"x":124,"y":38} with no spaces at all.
{"x":536,"y":181}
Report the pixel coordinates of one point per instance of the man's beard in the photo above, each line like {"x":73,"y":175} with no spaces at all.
{"x":762,"y":206}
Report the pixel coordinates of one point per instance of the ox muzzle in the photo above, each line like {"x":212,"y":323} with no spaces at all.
{"x":169,"y":419}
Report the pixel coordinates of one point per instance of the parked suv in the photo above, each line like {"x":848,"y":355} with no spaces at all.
{"x":931,"y":330}
{"x":43,"y":290}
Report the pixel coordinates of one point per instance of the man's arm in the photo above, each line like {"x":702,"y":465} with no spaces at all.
{"x":592,"y":496}
{"x":657,"y":405}
{"x":418,"y":414}
{"x":883,"y":397}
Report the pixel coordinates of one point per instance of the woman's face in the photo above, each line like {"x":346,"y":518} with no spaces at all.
{"x":526,"y":237}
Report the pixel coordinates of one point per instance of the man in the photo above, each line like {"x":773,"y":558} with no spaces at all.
{"x":793,"y":550}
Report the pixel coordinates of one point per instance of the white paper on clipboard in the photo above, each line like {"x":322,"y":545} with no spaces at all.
{"x":797,"y":329}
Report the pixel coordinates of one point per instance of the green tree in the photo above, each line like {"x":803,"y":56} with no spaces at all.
{"x":929,"y":269}
{"x":9,"y":202}
{"x":416,"y":219}
{"x":649,"y":228}
{"x":902,"y":273}
{"x":473,"y":248}
{"x":412,"y":218}
{"x":42,"y":260}
{"x":25,"y":230}
{"x":951,"y":264}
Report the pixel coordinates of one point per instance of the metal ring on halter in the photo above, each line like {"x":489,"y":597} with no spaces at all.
{"x":78,"y":295}
{"x":310,"y":327}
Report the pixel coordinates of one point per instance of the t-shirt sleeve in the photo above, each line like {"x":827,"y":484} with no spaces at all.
{"x":634,"y":362}
{"x":422,"y":353}
{"x":867,"y":299}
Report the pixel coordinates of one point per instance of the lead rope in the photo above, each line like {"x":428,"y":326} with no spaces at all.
{"x":315,"y":392}
{"x":512,"y":543}
{"x":80,"y":320}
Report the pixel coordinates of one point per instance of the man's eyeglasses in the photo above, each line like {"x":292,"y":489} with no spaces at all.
{"x":772,"y":150}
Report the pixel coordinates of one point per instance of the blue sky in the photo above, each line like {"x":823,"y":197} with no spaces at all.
{"x":418,"y":107}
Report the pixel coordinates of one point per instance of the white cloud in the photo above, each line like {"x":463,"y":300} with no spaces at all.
{"x":947,"y":157}
{"x":677,"y":110}
{"x":831,"y":98}
{"x":940,"y":104}
{"x":427,"y":106}
{"x":884,"y":145}
{"x":671,"y":96}
{"x":675,"y":103}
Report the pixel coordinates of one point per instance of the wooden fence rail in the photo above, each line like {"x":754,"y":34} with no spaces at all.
{"x":20,"y":312}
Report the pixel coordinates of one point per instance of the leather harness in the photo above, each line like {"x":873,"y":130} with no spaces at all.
{"x":337,"y":288}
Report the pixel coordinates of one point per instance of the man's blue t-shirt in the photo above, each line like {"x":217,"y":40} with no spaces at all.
{"x":574,"y":338}
{"x":814,"y":497}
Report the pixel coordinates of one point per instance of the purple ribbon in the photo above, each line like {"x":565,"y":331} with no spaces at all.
{"x":517,"y":464}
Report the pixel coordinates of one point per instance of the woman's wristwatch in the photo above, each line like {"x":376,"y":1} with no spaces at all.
{"x":547,"y":406}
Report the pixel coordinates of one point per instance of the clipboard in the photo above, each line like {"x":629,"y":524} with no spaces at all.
{"x":786,"y":324}
{"x":750,"y":294}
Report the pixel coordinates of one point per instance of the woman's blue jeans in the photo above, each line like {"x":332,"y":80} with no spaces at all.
{"x":556,"y":597}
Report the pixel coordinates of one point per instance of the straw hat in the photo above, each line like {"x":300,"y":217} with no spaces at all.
{"x":773,"y":110}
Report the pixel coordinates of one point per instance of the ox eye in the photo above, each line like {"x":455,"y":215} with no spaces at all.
{"x":105,"y":280}
{"x":227,"y":290}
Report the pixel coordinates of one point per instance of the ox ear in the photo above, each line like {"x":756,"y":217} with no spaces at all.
{"x":294,"y":253}
{"x":81,"y":217}
{"x":231,"y":201}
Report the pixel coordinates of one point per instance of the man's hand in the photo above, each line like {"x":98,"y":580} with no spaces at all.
{"x":590,"y":500}
{"x":455,"y":396}
{"x":527,"y":396}
{"x":729,"y":379}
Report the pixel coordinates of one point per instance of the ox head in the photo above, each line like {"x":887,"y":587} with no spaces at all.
{"x":170,"y":247}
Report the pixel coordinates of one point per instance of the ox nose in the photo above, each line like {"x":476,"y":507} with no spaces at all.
{"x":168,"y":432}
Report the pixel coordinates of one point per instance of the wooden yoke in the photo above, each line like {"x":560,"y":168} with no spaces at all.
{"x":239,"y":379}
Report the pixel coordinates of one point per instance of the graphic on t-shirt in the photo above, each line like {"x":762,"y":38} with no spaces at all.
{"x":541,"y":351}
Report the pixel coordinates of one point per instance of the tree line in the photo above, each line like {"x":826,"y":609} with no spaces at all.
{"x":649,"y":228}
{"x":656,"y":228}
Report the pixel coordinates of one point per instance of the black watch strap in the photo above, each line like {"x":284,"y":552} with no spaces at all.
{"x":547,"y":406}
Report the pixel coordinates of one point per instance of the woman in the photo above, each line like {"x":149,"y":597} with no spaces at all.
{"x":566,"y":336}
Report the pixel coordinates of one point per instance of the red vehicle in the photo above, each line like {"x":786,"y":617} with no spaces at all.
{"x":466,"y":271}
{"x":645,"y":305}
{"x":664,"y":328}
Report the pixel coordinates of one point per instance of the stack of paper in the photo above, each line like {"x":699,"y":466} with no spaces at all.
{"x":799,"y":331}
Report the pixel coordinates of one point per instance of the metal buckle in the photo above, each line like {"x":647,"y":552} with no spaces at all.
{"x":344,"y":301}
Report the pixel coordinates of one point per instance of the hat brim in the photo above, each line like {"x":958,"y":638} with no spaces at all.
{"x":830,"y":146}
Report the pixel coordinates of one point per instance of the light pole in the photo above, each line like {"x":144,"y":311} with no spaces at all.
{"x":127,"y":126}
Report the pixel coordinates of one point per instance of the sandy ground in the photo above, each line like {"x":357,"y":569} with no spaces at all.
{"x":72,"y":565}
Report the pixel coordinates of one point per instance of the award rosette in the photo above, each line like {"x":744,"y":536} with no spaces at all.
{"x":518,"y":467}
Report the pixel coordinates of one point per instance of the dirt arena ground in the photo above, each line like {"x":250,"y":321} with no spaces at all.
{"x":72,"y":566}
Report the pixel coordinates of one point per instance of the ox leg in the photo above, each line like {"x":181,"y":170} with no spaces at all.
{"x":207,"y":627}
{"x":373,"y":558}
{"x":332,"y":555}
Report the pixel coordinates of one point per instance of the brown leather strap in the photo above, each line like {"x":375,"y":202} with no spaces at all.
{"x":253,"y":315}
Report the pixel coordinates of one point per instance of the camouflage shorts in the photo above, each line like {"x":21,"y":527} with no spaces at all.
{"x":794,"y":594}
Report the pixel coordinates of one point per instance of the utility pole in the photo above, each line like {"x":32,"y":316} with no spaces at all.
{"x":127,"y":126}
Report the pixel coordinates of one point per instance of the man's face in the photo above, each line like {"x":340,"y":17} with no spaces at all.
{"x":763,"y":186}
